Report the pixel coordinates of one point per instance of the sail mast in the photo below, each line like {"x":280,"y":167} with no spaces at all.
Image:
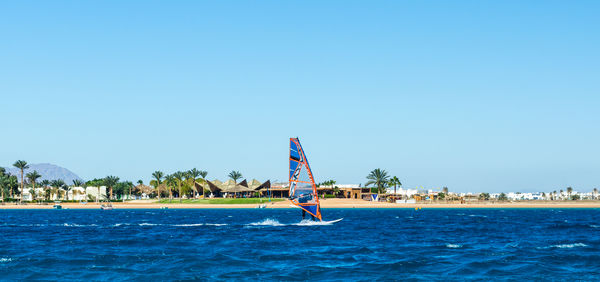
{"x":303,"y":190}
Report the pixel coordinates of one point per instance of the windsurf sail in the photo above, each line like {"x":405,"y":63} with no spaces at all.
{"x":303,"y":190}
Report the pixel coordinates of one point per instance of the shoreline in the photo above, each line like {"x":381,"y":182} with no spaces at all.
{"x":326,"y":203}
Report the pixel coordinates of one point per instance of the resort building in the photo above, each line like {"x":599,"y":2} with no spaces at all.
{"x":408,"y":193}
{"x":230,"y":188}
{"x":73,"y":193}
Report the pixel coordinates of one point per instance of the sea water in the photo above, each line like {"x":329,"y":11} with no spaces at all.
{"x":274,"y":244}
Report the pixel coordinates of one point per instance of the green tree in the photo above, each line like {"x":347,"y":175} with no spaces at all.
{"x":77,"y":183}
{"x":158,"y":176}
{"x":484,"y":196}
{"x":379,"y":178}
{"x":110,"y":182}
{"x":445,"y":191}
{"x":193,"y":174}
{"x":394,"y":181}
{"x":561,"y":194}
{"x":22,"y":165}
{"x":33,"y":177}
{"x":46,"y":184}
{"x":203,"y":174}
{"x":595,"y":193}
{"x":235,"y":175}
{"x":121,"y":189}
{"x":179,"y":176}
{"x":85,"y":195}
{"x":569,"y":191}
{"x":502,"y":197}
{"x":57,"y":184}
{"x":4,"y":184}
{"x":170,"y":182}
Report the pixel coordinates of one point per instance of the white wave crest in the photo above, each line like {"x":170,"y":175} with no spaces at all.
{"x":594,"y":226}
{"x":565,"y":246}
{"x":569,"y":246}
{"x":267,"y":222}
{"x":77,"y":225}
{"x":215,"y":224}
{"x":188,"y":224}
{"x":148,"y":224}
{"x":5,"y":260}
{"x":453,"y":246}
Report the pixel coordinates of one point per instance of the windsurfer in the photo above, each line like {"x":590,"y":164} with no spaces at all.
{"x":304,"y":215}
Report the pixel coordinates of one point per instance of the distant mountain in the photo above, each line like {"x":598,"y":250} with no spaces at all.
{"x":48,"y":171}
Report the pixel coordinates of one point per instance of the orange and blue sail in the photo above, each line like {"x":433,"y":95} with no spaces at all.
{"x":303,"y":190}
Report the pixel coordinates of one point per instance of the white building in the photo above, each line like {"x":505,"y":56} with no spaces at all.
{"x":402,"y":191}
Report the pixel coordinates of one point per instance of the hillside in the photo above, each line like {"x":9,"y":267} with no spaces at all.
{"x":48,"y":171}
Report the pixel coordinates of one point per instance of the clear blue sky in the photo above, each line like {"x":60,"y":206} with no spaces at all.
{"x":473,"y":95}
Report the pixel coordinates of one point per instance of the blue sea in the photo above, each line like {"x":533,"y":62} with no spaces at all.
{"x":274,"y":244}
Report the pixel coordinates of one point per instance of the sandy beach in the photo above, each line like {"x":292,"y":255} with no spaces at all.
{"x":325,"y":203}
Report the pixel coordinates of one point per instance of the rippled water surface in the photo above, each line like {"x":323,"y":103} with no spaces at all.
{"x":267,"y":244}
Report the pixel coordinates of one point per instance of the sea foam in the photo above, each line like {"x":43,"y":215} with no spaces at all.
{"x":148,"y":224}
{"x":565,"y":246}
{"x":307,"y":222}
{"x":267,"y":222}
{"x":453,"y":246}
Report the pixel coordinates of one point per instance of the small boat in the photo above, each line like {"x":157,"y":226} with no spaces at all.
{"x":108,"y":206}
{"x":57,"y":205}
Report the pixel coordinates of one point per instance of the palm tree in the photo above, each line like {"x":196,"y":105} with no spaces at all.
{"x":76,"y":183}
{"x":502,"y":197}
{"x":203,"y":173}
{"x":445,"y":191}
{"x":4,"y":182}
{"x":379,"y":178}
{"x":179,"y":176}
{"x":170,"y":182}
{"x":46,"y":183}
{"x":187,"y":177}
{"x":193,"y":174}
{"x":569,"y":191}
{"x":57,"y":184}
{"x":235,"y":175}
{"x":22,"y":165}
{"x":33,"y":177}
{"x":110,"y":182}
{"x":394,"y":181}
{"x":158,"y":175}
{"x":561,"y":193}
{"x":595,"y":193}
{"x":84,"y":186}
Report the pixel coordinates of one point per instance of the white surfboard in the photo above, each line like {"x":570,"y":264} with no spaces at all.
{"x":333,"y":221}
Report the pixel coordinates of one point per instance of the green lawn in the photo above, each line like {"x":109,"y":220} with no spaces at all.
{"x":220,"y":201}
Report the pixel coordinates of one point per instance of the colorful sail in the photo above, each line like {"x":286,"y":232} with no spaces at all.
{"x":303,"y":191}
